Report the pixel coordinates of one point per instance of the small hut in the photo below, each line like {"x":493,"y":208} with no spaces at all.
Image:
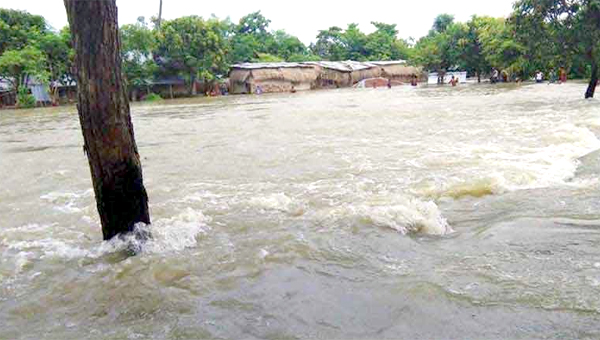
{"x":398,"y":70}
{"x":271,"y":77}
{"x":336,"y":74}
{"x":361,"y":71}
{"x":332,"y":74}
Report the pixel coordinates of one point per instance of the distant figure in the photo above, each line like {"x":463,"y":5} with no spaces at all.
{"x":563,"y":75}
{"x":453,"y":80}
{"x":259,"y":89}
{"x":504,"y":76}
{"x":539,"y":77}
{"x":494,"y":78}
{"x":389,"y":84}
{"x":414,"y":81}
{"x":293,"y":90}
{"x":552,"y":77}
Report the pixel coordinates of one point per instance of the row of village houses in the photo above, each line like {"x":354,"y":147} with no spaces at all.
{"x":246,"y":79}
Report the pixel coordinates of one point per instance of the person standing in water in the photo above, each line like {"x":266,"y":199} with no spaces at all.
{"x":539,"y":77}
{"x":563,"y":75}
{"x":552,"y":77}
{"x":494,"y":78}
{"x":414,"y":81}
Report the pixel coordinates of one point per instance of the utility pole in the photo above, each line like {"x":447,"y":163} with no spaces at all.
{"x":159,"y":15}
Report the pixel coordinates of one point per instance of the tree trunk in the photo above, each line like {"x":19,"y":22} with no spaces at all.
{"x":193,"y":91}
{"x":593,"y":81}
{"x":103,"y":108}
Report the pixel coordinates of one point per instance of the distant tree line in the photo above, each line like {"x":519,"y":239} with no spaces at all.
{"x":538,"y":35}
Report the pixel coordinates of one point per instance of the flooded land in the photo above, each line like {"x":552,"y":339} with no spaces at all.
{"x":428,"y":213}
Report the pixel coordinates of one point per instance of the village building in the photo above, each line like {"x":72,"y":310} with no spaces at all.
{"x":283,"y":77}
{"x":271,"y":77}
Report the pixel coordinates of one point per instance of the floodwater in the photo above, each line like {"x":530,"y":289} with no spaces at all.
{"x":429,"y":213}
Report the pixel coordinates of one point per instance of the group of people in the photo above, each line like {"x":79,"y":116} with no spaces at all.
{"x":562,"y":76}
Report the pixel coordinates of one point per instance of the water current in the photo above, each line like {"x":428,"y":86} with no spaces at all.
{"x":428,"y":213}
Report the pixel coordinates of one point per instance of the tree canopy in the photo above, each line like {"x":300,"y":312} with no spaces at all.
{"x":538,"y":35}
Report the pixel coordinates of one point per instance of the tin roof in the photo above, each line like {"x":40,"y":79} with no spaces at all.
{"x":253,"y":66}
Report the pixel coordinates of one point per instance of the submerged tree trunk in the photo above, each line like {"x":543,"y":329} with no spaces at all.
{"x":103,"y":108}
{"x":593,"y":81}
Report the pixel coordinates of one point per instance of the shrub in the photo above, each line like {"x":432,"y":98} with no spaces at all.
{"x":153,"y":97}
{"x":24,"y":99}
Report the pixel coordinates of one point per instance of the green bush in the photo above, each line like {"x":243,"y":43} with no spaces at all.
{"x":24,"y":99}
{"x":153,"y":97}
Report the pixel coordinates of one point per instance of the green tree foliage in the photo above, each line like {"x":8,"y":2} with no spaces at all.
{"x":251,"y":38}
{"x":383,"y":44}
{"x":475,"y":46}
{"x":285,"y":45}
{"x":441,"y":23}
{"x":59,"y":56}
{"x":330,"y":44}
{"x":17,"y":66}
{"x":17,"y":28}
{"x":570,"y":30}
{"x":500,"y":48}
{"x":137,"y":45}
{"x":28,"y":48}
{"x":194,"y":48}
{"x":442,"y":50}
{"x":336,"y":44}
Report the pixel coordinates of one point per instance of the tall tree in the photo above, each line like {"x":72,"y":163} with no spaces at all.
{"x":442,"y":22}
{"x":194,"y":48}
{"x":17,"y":28}
{"x":105,"y":120}
{"x":17,"y":66}
{"x":330,"y":44}
{"x":573,"y":26}
{"x":137,"y":44}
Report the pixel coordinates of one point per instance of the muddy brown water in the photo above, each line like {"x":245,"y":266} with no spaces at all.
{"x":428,"y":213}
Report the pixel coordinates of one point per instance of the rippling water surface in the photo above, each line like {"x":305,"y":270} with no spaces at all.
{"x":429,"y":213}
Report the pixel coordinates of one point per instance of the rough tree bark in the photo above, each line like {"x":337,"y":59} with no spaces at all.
{"x":593,"y":81}
{"x":103,"y":108}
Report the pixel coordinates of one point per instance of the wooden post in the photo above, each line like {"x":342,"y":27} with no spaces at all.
{"x":159,"y":21}
{"x":103,"y":108}
{"x":593,"y":81}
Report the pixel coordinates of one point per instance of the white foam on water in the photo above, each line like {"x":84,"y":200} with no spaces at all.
{"x":66,"y":202}
{"x":278,"y":202}
{"x":167,"y":235}
{"x":546,"y":160}
{"x":41,"y":243}
{"x":403,"y":214}
{"x":48,"y":248}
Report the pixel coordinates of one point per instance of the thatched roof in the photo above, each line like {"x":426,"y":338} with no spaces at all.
{"x":299,"y":74}
{"x":397,"y":70}
{"x":342,"y":73}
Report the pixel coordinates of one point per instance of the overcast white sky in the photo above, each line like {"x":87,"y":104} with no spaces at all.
{"x":303,"y":18}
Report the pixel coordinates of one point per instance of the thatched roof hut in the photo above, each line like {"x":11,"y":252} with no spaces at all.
{"x":398,"y":70}
{"x":272,"y":77}
{"x":282,"y":77}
